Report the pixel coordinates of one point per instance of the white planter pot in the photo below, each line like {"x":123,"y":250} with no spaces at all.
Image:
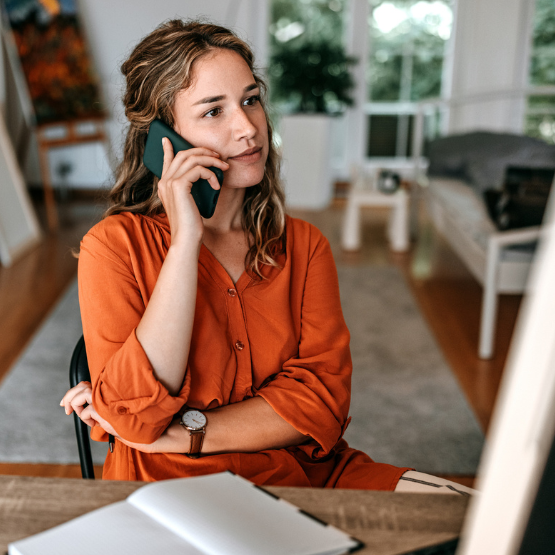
{"x":306,"y":168}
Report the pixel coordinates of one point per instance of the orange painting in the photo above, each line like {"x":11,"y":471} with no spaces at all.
{"x":55,"y":60}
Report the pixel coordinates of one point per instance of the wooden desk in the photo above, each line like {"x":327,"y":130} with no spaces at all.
{"x":388,"y":523}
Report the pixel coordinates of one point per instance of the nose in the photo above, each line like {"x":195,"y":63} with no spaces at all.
{"x":243,"y":126}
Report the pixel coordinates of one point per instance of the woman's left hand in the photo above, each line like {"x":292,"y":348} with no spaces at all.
{"x":79,"y":399}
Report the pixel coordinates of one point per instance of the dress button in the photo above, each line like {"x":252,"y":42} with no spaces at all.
{"x":231,"y":292}
{"x":122,"y":410}
{"x":239,"y":345}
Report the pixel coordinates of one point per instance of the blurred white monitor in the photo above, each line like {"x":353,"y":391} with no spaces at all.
{"x":522,"y":430}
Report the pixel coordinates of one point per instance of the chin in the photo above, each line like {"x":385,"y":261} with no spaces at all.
{"x":245,"y":179}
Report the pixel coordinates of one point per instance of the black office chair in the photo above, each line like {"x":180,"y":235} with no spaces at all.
{"x":79,"y":372}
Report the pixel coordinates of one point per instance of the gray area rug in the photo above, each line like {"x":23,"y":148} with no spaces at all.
{"x":406,"y":406}
{"x":33,"y":427}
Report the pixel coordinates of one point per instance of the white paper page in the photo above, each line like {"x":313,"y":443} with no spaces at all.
{"x":223,"y":514}
{"x":118,"y":528}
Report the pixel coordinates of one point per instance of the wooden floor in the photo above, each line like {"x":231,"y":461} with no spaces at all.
{"x":30,"y":287}
{"x":447,"y":294}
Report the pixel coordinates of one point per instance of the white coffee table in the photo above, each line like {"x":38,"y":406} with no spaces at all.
{"x":398,"y":224}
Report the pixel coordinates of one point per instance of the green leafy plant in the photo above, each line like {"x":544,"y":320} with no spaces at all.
{"x":312,"y":78}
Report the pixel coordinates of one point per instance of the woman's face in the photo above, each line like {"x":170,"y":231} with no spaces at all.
{"x":221,"y":111}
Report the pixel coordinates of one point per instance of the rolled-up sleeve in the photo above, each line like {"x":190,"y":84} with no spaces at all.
{"x":312,"y":391}
{"x":126,"y":391}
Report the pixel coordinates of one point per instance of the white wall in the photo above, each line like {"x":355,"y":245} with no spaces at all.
{"x":113,"y":27}
{"x":490,"y":54}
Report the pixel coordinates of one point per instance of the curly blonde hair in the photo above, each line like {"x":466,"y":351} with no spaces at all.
{"x":159,"y":67}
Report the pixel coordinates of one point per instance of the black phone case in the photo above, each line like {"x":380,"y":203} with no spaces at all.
{"x":205,"y":197}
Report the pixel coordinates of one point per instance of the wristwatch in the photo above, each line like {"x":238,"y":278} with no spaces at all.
{"x":195,"y":422}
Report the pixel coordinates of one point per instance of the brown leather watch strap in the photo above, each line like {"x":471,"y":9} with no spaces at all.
{"x":197,"y":439}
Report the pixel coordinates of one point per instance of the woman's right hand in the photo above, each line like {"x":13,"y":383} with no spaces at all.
{"x":174,"y":188}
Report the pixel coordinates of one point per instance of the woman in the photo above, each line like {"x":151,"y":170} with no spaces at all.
{"x":236,"y":317}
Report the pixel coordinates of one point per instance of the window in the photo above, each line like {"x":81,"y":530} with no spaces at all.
{"x":307,"y":20}
{"x":314,"y":28}
{"x":540,"y":118}
{"x":407,"y":42}
{"x":407,"y":49}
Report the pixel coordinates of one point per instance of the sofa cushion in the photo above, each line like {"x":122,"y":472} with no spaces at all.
{"x":448,"y":155}
{"x":481,"y":157}
{"x":463,"y":206}
{"x":489,"y":173}
{"x":469,"y":214}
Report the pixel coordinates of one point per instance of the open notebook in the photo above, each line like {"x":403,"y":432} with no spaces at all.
{"x":215,"y":514}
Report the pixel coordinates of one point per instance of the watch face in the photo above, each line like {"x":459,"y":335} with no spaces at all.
{"x":194,"y":419}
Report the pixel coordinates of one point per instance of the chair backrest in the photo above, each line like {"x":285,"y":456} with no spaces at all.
{"x":79,"y":372}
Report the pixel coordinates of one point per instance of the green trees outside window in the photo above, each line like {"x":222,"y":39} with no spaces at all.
{"x":309,"y":69}
{"x":407,"y":42}
{"x":540,"y":120}
{"x":406,"y":59}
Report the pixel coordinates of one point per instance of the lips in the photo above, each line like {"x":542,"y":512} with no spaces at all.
{"x":247,"y":153}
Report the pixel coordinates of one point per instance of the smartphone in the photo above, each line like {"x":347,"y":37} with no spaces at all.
{"x":205,"y":197}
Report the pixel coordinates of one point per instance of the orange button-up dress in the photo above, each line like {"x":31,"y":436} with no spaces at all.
{"x":282,"y":338}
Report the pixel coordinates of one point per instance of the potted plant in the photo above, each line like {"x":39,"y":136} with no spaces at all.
{"x":310,"y":83}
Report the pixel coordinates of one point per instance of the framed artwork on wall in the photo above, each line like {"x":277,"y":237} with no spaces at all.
{"x":54,"y":58}
{"x":46,"y":50}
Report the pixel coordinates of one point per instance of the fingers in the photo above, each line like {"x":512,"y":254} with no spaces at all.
{"x":79,"y":400}
{"x":192,"y":175}
{"x":88,"y":415}
{"x":168,"y":154}
{"x":179,"y":185}
{"x":104,"y":424}
{"x":76,"y":397}
{"x":184,"y":162}
{"x":91,"y":418}
{"x":175,"y":167}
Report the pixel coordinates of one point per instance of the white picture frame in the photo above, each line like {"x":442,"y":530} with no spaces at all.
{"x":523,"y":425}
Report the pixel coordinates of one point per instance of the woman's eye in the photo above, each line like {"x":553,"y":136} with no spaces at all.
{"x":212,"y":113}
{"x":252,"y":100}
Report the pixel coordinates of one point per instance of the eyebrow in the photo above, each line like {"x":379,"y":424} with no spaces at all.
{"x":210,"y":99}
